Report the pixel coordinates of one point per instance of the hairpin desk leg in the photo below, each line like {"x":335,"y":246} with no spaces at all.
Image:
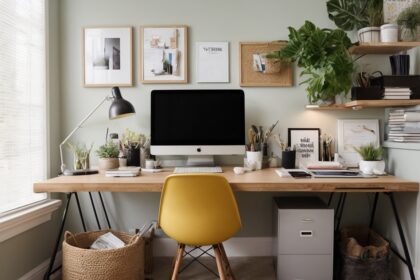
{"x":80,"y":212}
{"x":340,"y":210}
{"x":372,"y":215}
{"x":60,"y":233}
{"x":407,"y":259}
{"x":330,"y":199}
{"x":94,"y":211}
{"x":103,"y":207}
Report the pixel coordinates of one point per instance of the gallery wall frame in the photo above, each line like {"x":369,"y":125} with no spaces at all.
{"x":273,"y":74}
{"x":107,"y":56}
{"x":168,"y":43}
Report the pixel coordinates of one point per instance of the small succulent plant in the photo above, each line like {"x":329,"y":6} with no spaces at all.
{"x":370,"y":153}
{"x":108,"y":150}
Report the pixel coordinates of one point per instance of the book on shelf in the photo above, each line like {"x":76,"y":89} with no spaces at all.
{"x":397,"y":89}
{"x":396,"y":97}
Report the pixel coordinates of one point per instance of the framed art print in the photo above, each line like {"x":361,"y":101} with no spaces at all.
{"x":354,"y":133}
{"x":107,"y":56}
{"x":212,"y":62}
{"x":164,"y":53}
{"x":306,"y":143}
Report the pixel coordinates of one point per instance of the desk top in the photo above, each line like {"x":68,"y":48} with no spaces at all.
{"x":265,"y":180}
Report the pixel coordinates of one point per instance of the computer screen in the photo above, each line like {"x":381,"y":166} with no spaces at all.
{"x":197,"y":118}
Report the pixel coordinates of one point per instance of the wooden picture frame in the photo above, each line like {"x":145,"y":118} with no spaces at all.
{"x":274,"y":74}
{"x":156,"y":61}
{"x":107,"y":56}
{"x":305,"y":142}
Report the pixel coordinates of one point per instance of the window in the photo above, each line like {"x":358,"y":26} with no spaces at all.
{"x":23,"y":102}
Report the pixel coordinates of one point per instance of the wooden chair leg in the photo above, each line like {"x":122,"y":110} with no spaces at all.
{"x":219,"y":262}
{"x":178,"y":261}
{"x":229,"y":272}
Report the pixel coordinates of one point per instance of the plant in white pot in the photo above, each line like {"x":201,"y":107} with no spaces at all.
{"x":108,"y":156}
{"x":372,"y":162}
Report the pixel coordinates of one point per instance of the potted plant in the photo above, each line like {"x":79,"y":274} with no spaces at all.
{"x":409,"y":21}
{"x":108,"y":156}
{"x":372,"y":162}
{"x":131,"y":144}
{"x":374,"y":15}
{"x":81,"y":156}
{"x":323,"y":55}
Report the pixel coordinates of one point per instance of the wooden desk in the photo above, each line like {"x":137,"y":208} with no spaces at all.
{"x":265,"y":180}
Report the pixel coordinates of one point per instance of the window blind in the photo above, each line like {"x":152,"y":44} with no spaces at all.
{"x":22,"y":102}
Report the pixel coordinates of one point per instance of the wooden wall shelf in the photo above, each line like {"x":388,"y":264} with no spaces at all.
{"x":383,"y":48}
{"x":361,"y":104}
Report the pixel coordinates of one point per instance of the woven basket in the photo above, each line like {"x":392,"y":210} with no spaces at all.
{"x":80,"y":262}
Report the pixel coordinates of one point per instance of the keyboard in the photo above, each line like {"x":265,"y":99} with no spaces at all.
{"x":215,"y":169}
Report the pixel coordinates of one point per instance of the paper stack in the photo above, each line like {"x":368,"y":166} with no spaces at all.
{"x":404,"y":126}
{"x":397,"y":93}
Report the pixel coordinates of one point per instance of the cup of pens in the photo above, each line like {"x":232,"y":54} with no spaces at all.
{"x":254,"y":160}
{"x":288,"y":158}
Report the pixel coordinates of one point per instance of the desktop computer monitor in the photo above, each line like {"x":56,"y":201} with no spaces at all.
{"x":198,"y":123}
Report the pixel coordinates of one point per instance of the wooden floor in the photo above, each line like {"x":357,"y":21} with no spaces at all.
{"x":244,"y":268}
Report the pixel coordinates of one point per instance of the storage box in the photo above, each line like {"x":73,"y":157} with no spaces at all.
{"x":410,"y":81}
{"x":368,"y":93}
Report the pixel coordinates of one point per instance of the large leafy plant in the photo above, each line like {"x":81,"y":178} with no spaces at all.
{"x":323,"y":55}
{"x":355,"y":14}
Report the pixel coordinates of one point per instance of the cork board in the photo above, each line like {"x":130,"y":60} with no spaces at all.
{"x":249,"y":77}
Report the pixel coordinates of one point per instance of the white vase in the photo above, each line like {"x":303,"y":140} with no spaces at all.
{"x":254,"y":160}
{"x":389,"y":32}
{"x":372,"y":167}
{"x":105,"y":164}
{"x":369,"y":34}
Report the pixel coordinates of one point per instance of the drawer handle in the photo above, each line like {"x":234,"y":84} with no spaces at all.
{"x":307,"y":220}
{"x":306,"y":233}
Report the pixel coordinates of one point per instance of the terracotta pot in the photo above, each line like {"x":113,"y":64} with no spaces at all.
{"x":105,"y":164}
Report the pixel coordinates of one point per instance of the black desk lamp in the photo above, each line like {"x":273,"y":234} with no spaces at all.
{"x":119,"y":108}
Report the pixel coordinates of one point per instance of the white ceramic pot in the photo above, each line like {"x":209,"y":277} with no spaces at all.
{"x":369,"y":34}
{"x":372,"y":167}
{"x":105,"y":164}
{"x":254,"y":160}
{"x":389,"y":32}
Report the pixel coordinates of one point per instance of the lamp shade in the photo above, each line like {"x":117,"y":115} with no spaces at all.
{"x":120,"y":107}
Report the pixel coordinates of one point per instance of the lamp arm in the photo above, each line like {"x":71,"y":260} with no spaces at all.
{"x":63,"y":166}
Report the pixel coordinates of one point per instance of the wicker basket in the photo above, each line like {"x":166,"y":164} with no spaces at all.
{"x":80,"y":262}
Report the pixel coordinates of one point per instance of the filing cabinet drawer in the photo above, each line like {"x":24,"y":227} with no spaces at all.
{"x":304,"y":267}
{"x":305,"y":231}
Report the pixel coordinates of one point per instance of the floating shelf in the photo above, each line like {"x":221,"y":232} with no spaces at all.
{"x":360,"y":104}
{"x":383,"y":48}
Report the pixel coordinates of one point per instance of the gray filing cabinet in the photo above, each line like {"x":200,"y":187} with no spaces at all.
{"x":304,"y":239}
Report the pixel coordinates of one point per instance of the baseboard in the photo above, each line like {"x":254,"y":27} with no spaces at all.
{"x":38,"y":272}
{"x":235,"y":247}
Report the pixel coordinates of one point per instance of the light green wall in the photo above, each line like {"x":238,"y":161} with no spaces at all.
{"x":25,"y":251}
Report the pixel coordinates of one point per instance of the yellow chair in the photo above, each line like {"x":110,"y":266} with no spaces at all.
{"x":199,"y":210}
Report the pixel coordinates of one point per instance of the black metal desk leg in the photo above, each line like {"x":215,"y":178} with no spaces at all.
{"x":94,"y":211}
{"x":340,"y":211}
{"x":402,"y":237}
{"x":330,"y":199}
{"x":60,"y":233}
{"x":103,"y":207}
{"x":80,"y":212}
{"x":372,"y":215}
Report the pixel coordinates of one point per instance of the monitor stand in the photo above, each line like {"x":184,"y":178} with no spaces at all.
{"x":207,"y":160}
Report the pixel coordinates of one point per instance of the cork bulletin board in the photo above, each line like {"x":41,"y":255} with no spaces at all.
{"x":257,"y":71}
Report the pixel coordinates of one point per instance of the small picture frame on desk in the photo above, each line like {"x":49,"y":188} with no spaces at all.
{"x":306,"y":143}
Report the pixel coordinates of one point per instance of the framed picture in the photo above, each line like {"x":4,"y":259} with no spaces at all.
{"x":256,"y":70}
{"x":164,"y":52}
{"x":212,"y":62}
{"x":306,"y":142}
{"x":107,"y":56}
{"x":355,"y":133}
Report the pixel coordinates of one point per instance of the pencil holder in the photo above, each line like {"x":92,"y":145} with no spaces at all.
{"x":288,"y":159}
{"x":254,"y":159}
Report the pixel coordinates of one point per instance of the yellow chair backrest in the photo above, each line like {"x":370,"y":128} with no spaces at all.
{"x":198,"y":209}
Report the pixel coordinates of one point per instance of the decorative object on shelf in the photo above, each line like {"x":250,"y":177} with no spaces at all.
{"x":131,"y":144}
{"x":212,"y":62}
{"x":107,"y":56}
{"x":119,"y":108}
{"x":400,"y":64}
{"x":257,"y":70}
{"x":306,"y":143}
{"x":327,"y":147}
{"x":81,"y":156}
{"x":323,"y":54}
{"x":372,"y":162}
{"x":164,"y":54}
{"x":409,"y":20}
{"x":354,"y":133}
{"x":108,"y":156}
{"x":363,"y":89}
{"x":374,"y":15}
{"x":389,"y":33}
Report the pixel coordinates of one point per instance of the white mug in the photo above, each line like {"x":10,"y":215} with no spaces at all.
{"x":151,"y":164}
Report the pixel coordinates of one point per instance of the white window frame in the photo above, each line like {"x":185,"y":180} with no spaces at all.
{"x":22,"y":219}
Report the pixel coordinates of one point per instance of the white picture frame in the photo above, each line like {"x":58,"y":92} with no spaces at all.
{"x":306,"y":143}
{"x":355,"y":133}
{"x":164,"y":54}
{"x":212,"y":62}
{"x":107,"y":56}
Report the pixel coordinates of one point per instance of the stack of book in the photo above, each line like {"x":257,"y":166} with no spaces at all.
{"x":404,"y":126}
{"x":397,"y":93}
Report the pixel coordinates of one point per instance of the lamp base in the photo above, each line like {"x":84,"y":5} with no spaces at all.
{"x":79,"y":172}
